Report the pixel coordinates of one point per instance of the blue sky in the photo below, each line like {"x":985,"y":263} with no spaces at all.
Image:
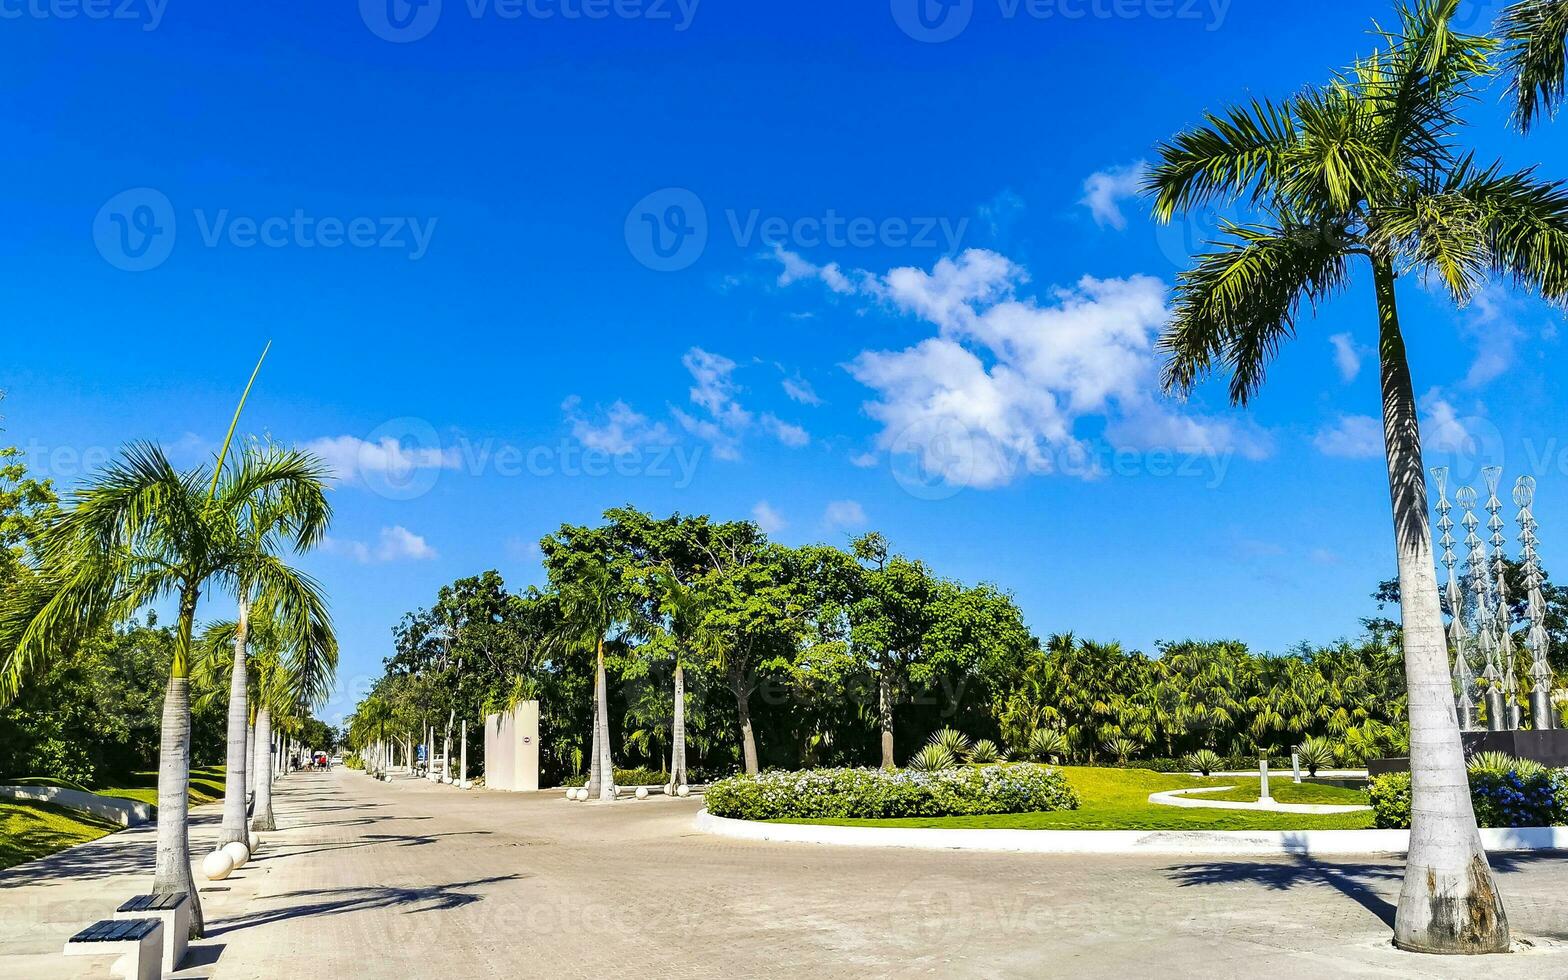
{"x":898,"y":283}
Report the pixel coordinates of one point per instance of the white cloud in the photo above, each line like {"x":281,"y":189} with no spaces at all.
{"x":998,"y":391}
{"x":795,"y":268}
{"x":722,"y":421}
{"x":395,"y":543}
{"x":1104,"y":191}
{"x":1491,"y":323}
{"x":619,"y":430}
{"x":1351,"y":437}
{"x":845,"y":514}
{"x":767,"y":518}
{"x":799,"y":390}
{"x":1442,"y":430}
{"x":1347,"y":356}
{"x":353,"y":459}
{"x":865,"y":460}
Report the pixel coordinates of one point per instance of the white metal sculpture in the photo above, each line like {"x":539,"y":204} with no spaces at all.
{"x":1502,"y":621}
{"x":1537,"y":641}
{"x":1481,"y":603}
{"x":1458,"y":634}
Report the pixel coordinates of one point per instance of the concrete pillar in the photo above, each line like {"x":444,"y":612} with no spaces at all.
{"x":1263,"y":784}
{"x":462,"y":763}
{"x":527,"y":754}
{"x":1295,"y":766}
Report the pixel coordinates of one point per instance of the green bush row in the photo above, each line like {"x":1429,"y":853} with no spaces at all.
{"x":1524,"y":795}
{"x":625,"y":777}
{"x":883,"y":794}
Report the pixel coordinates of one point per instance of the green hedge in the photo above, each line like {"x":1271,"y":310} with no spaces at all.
{"x":625,"y":777}
{"x":1529,"y":796}
{"x":882,"y":794}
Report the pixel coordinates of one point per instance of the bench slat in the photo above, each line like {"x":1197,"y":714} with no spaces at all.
{"x":116,"y":931}
{"x":155,"y":903}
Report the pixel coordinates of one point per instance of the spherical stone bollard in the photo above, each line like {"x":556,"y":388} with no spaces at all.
{"x":467,"y":784}
{"x":255,"y":841}
{"x":237,"y":852}
{"x":571,"y":792}
{"x":642,"y":792}
{"x":216,"y":866}
{"x":582,"y":795}
{"x":684,"y":791}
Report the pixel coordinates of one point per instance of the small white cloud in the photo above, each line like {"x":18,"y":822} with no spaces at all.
{"x":767,"y":518}
{"x":1442,"y":430}
{"x":845,"y":514}
{"x":353,"y":459}
{"x":619,"y":430}
{"x":1347,"y":356}
{"x":1351,"y":437}
{"x":865,"y":460}
{"x":799,"y":390}
{"x":1324,"y":556}
{"x":395,"y":543}
{"x":790,"y":435}
{"x":795,"y":268}
{"x":1491,"y":323}
{"x":1104,"y":191}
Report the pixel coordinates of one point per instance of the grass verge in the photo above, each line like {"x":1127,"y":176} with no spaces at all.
{"x":31,"y":830}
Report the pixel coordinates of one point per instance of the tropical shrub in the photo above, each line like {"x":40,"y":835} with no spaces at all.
{"x":984,"y":751}
{"x":881,"y":794}
{"x":932,"y":758}
{"x":625,"y":777}
{"x":1122,"y":748}
{"x":1505,"y":792}
{"x":1204,"y":761}
{"x":953,"y":740}
{"x":1316,"y":753}
{"x":1047,"y":745}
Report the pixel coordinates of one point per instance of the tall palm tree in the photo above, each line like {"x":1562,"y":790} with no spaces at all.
{"x":683,"y":606}
{"x":289,"y":665}
{"x":293,"y":508}
{"x":139,"y":532}
{"x":1365,"y":168}
{"x":1535,"y":52}
{"x":592,"y":603}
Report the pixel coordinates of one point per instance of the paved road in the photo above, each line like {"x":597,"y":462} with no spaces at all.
{"x":411,"y":879}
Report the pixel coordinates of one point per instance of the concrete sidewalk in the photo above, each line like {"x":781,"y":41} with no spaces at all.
{"x":412,"y":879}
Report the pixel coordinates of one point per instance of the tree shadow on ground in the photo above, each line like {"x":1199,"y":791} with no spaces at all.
{"x":340,"y":901}
{"x":1357,"y":881}
{"x":126,"y":852}
{"x":364,"y":840}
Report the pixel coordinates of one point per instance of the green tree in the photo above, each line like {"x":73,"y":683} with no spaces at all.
{"x":1366,"y":168}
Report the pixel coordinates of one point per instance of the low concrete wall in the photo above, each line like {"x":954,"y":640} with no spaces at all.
{"x":128,"y":813}
{"x":1173,"y":842}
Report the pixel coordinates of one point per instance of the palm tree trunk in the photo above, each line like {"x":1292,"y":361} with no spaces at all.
{"x":602,"y":733}
{"x":172,"y":867}
{"x":1449,"y":902}
{"x":250,"y":759}
{"x":748,"y":739}
{"x":885,"y":716}
{"x":234,"y":828}
{"x":678,"y":777}
{"x":261,"y":813}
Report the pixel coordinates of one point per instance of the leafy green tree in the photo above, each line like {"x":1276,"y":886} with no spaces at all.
{"x":1367,"y":168}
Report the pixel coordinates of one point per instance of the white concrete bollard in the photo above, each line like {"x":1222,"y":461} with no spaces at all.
{"x":642,"y":792}
{"x":684,"y":791}
{"x":1263,"y":781}
{"x":237,"y":852}
{"x":1295,"y":765}
{"x":216,"y":866}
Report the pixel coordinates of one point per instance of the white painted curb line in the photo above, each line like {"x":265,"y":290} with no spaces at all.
{"x":1229,"y":842}
{"x":1179,"y":797}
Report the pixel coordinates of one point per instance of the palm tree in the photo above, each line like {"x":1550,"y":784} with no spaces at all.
{"x":592,"y":602}
{"x":139,"y":532}
{"x":290,"y":666}
{"x":1365,"y":167}
{"x":1535,"y":34}
{"x":684,"y":609}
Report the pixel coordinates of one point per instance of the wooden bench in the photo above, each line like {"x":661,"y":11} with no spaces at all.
{"x":137,"y":945}
{"x":174,"y":910}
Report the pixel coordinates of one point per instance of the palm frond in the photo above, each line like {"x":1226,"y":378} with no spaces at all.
{"x":1535,"y":52}
{"x":1233,"y":155}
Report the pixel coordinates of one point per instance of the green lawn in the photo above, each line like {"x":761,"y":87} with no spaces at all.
{"x":1118,"y":799}
{"x":31,"y":830}
{"x":206,"y":786}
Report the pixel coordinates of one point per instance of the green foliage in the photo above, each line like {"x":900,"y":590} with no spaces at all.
{"x":933,"y":758}
{"x":1491,"y":763}
{"x":625,"y":777}
{"x":984,"y":751}
{"x":954,"y":741}
{"x":1122,"y":748}
{"x":866,"y":793}
{"x":1204,"y":761}
{"x":1047,"y":745}
{"x":1316,"y":753}
{"x":1505,"y":792}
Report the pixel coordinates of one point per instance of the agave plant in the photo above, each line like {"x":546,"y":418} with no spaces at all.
{"x":1493,"y":763}
{"x":1316,"y":753}
{"x":984,"y":750}
{"x":1204,"y":761}
{"x":933,"y":758}
{"x":1122,"y":747}
{"x":953,"y":740}
{"x":1047,"y":745}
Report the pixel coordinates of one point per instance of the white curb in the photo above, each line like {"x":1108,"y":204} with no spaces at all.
{"x":1229,"y":842}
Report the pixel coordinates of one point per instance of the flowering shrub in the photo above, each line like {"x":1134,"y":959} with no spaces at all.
{"x":1522,"y":796}
{"x":881,"y":794}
